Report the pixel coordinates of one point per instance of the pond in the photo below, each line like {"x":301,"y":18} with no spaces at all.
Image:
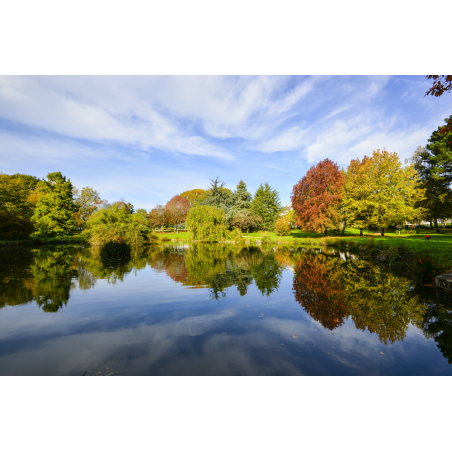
{"x":206,"y":309}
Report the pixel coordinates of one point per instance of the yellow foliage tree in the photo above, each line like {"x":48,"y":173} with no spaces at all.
{"x":380,"y":192}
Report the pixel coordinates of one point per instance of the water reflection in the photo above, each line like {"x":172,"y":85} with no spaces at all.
{"x":332,"y":289}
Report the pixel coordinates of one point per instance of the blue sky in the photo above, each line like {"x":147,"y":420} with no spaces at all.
{"x":146,"y":139}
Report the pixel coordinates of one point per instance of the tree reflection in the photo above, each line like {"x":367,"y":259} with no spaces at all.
{"x":437,"y":322}
{"x":318,"y":288}
{"x":331,"y":290}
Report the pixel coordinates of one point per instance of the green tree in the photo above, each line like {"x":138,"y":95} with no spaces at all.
{"x":86,"y":200}
{"x":434,"y":166}
{"x":267,"y":205}
{"x":217,"y":196}
{"x":246,"y":220}
{"x":206,"y":223}
{"x":14,"y":193}
{"x":240,"y":200}
{"x":195,"y":195}
{"x":54,"y":212}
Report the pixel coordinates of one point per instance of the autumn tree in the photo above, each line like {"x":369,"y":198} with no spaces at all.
{"x":393,"y":191}
{"x":157,"y":217}
{"x":356,"y":191}
{"x":283,"y":225}
{"x":266,"y":204}
{"x":54,"y":212}
{"x":316,"y":197}
{"x":176,"y":210}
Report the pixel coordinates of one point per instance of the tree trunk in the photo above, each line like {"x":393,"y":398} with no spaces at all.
{"x":431,"y":224}
{"x":436,"y":225}
{"x":326,"y":232}
{"x":361,"y":232}
{"x":343,"y":230}
{"x":382,"y":232}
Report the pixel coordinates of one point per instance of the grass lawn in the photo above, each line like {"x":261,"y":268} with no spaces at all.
{"x":440,"y":244}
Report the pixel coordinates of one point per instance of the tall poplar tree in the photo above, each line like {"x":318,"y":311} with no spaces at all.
{"x":54,"y":212}
{"x":266,"y":204}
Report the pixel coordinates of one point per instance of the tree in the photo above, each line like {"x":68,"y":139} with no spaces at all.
{"x":282,"y":225}
{"x":394,"y":192}
{"x":316,"y":197}
{"x":438,"y":194}
{"x":206,"y":223}
{"x":87,"y":200}
{"x":195,"y":195}
{"x":434,"y":165}
{"x":14,"y":193}
{"x":266,"y":204}
{"x":217,"y":196}
{"x":356,"y":191}
{"x":54,"y":212}
{"x":240,"y":200}
{"x":246,"y":220}
{"x":157,"y":217}
{"x":176,"y":210}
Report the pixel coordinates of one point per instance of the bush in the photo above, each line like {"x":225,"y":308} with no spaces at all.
{"x":282,"y":226}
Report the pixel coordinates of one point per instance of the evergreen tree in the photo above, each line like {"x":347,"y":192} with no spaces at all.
{"x":217,"y":196}
{"x":54,"y":212}
{"x":267,"y":205}
{"x":434,"y":165}
{"x":240,"y":200}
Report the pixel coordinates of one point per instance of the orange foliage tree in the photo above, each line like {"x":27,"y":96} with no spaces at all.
{"x":176,"y":210}
{"x":317,"y":196}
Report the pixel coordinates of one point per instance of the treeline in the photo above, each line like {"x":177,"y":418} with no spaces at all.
{"x":209,"y":214}
{"x":378,"y":191}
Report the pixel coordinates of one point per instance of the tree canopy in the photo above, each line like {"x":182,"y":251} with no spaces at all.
{"x":316,"y":197}
{"x":54,"y":212}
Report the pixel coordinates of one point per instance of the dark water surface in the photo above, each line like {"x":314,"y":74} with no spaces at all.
{"x":216,"y":310}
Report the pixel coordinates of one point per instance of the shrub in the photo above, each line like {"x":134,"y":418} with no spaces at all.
{"x":282,"y":226}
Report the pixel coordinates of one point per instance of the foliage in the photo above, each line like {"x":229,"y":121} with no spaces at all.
{"x":391,"y":194}
{"x":246,"y":220}
{"x":14,"y":193}
{"x":195,"y":195}
{"x":316,"y":197}
{"x":240,"y":201}
{"x":283,"y":226}
{"x":176,"y":210}
{"x":157,"y":217}
{"x":434,"y":165}
{"x":424,"y":267}
{"x":356,"y":191}
{"x":206,"y":223}
{"x":86,"y":200}
{"x":441,"y":84}
{"x":14,"y":226}
{"x":266,"y":204}
{"x":54,"y":212}
{"x":217,"y":196}
{"x":117,"y":224}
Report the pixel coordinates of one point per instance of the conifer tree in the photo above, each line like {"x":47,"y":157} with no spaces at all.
{"x":267,"y":205}
{"x":240,"y":201}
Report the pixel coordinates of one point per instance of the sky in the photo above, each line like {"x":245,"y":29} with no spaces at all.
{"x":148,"y":138}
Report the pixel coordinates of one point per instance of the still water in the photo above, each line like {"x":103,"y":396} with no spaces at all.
{"x":216,"y":310}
